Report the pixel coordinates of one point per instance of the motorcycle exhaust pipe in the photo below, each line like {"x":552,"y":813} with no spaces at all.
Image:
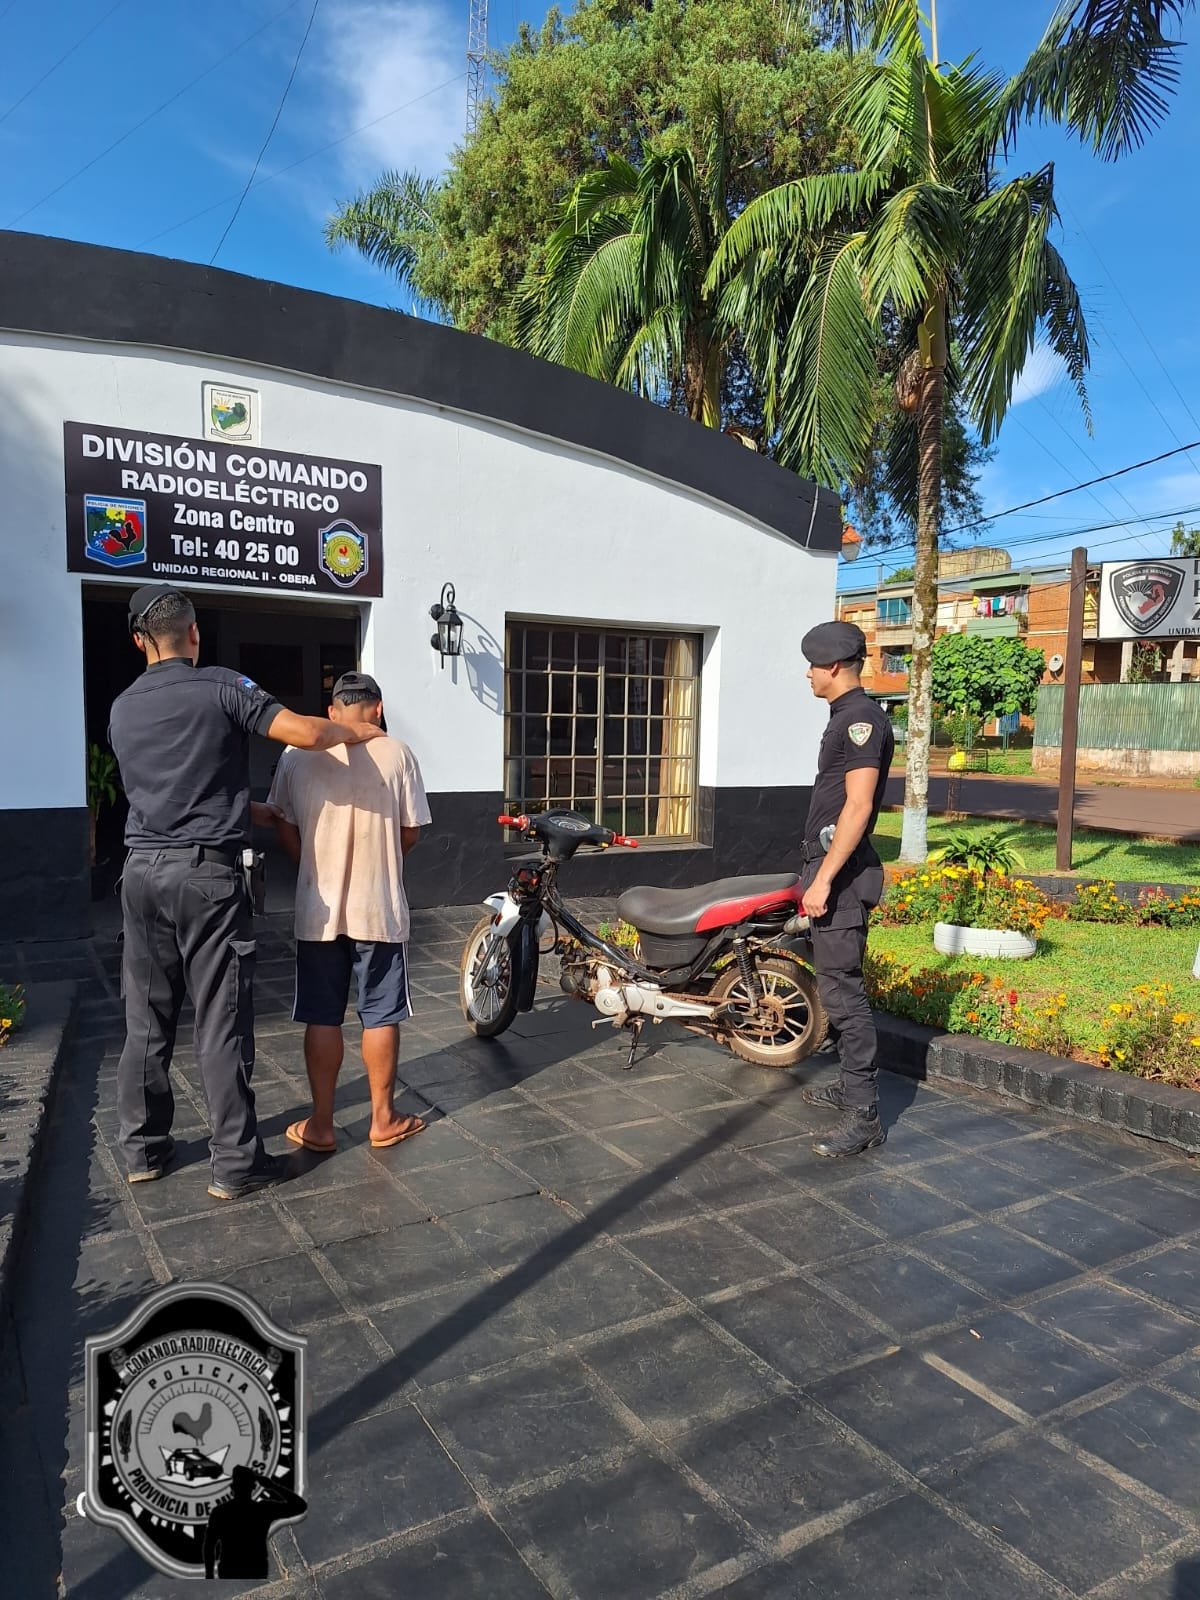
{"x":797,"y":924}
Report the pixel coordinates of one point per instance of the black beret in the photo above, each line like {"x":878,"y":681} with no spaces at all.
{"x":833,"y":641}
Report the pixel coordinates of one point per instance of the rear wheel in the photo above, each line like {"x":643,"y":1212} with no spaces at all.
{"x":486,"y":990}
{"x":791,"y":1020}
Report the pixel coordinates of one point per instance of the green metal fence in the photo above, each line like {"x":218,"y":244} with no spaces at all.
{"x":1124,"y":716}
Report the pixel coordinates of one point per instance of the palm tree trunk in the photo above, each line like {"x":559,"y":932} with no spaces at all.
{"x":695,"y":374}
{"x":914,"y":842}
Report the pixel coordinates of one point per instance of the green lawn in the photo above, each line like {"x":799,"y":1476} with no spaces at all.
{"x":1091,"y":963}
{"x":1096,"y":855}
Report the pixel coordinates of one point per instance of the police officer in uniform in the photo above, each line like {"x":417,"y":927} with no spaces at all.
{"x":843,"y":876}
{"x":181,"y":734}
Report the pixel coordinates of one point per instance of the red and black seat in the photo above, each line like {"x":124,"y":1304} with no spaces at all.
{"x":683,"y":913}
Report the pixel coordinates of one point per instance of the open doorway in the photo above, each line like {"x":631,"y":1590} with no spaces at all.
{"x":297,"y":650}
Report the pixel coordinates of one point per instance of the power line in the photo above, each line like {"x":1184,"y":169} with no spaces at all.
{"x":50,"y":71}
{"x":150,"y":115}
{"x":1061,"y":465}
{"x":312,"y":16}
{"x":300,"y":160}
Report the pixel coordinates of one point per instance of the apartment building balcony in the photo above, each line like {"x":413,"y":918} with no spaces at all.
{"x":1006,"y":627}
{"x":891,"y":635}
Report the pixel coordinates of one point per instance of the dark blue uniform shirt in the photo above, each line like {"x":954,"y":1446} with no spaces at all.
{"x":859,"y":735}
{"x":181,"y":737}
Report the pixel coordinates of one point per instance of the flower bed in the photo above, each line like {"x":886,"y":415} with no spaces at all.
{"x":1079,"y":998}
{"x":12,"y":1010}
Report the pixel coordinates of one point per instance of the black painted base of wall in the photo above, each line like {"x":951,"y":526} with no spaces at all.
{"x":45,"y":878}
{"x":462,"y":857}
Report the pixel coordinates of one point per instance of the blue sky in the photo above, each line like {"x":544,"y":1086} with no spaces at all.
{"x":382,"y":83}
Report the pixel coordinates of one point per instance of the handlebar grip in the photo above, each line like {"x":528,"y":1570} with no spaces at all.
{"x":621,"y":838}
{"x":521,"y":822}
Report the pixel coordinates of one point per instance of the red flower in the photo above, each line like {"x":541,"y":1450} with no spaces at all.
{"x":1012,"y":997}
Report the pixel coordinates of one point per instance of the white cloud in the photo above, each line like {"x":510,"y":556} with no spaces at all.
{"x":386,"y":53}
{"x":1043,"y":372}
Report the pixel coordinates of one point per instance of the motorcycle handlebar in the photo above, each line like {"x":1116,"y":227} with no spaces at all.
{"x":523,"y":824}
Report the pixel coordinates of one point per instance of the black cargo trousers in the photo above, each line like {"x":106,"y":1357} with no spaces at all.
{"x":188,"y":929}
{"x":839,"y":940}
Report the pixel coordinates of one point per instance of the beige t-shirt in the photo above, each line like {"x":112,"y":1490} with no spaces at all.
{"x":350,"y":804}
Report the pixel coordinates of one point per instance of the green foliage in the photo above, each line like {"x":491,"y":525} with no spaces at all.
{"x":981,"y":852}
{"x":970,"y":898}
{"x":982,"y":677}
{"x":901,"y":575}
{"x":12,"y":1010}
{"x":103,"y":779}
{"x":1100,"y":902}
{"x":1146,"y":663}
{"x":1185,"y":541}
{"x":616,"y":78}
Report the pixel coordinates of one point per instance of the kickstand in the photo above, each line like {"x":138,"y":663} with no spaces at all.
{"x":636,"y":1026}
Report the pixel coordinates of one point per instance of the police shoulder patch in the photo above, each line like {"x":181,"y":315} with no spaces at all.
{"x":248,"y":683}
{"x":860,"y":732}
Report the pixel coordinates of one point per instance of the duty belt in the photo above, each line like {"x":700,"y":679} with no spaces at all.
{"x":816,"y":852}
{"x":225,"y":855}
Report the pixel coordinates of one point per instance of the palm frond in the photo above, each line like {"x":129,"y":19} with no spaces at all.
{"x":1105,"y":69}
{"x":792,"y":213}
{"x":829,"y":369}
{"x":1013,"y":283}
{"x":386,"y":222}
{"x":912,"y":247}
{"x":896,"y":28}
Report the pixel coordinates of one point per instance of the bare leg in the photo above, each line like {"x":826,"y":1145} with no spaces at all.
{"x":323,"y":1058}
{"x":381,"y":1051}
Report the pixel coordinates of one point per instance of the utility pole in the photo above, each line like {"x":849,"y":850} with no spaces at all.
{"x":1070,"y":711}
{"x":477,"y":43}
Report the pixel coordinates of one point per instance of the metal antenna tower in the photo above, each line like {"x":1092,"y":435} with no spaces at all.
{"x":477,"y":40}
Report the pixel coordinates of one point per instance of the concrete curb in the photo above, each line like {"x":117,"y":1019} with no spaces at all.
{"x":29,"y":1069}
{"x":1071,"y":1088}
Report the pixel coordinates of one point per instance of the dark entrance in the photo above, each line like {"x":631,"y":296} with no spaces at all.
{"x":296,"y":650}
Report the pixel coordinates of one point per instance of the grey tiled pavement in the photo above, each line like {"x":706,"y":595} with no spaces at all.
{"x":601,"y":1333}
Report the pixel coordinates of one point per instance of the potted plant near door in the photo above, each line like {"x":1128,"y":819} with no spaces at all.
{"x":983,"y":911}
{"x":103,"y":786}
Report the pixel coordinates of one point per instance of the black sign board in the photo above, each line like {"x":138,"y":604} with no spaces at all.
{"x":155,"y":506}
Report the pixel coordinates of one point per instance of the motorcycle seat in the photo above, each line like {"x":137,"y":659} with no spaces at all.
{"x":678,"y":913}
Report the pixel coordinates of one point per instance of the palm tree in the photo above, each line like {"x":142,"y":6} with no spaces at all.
{"x":388,"y":223}
{"x":621,"y":293}
{"x":931,"y":242}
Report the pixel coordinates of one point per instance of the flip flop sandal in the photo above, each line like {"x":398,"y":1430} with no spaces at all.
{"x":306,"y":1143}
{"x":398,"y":1138}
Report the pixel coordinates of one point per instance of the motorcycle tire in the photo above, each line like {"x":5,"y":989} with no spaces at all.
{"x":805,"y":1032}
{"x":490,"y":1020}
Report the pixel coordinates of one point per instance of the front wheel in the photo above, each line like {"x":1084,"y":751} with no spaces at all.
{"x":791,"y":1021}
{"x":486,"y":990}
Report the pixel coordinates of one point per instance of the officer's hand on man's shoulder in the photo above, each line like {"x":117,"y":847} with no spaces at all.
{"x":362,"y":731}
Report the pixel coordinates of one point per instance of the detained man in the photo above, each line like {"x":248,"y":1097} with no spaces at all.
{"x":348,"y":824}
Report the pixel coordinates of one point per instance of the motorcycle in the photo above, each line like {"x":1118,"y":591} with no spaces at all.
{"x":730,"y":960}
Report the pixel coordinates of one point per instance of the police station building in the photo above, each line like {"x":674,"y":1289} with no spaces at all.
{"x":317,"y":475}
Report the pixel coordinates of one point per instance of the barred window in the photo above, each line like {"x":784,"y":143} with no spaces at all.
{"x":603,"y":722}
{"x":895,"y":660}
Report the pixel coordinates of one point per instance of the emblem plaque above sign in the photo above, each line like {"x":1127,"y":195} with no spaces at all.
{"x":194,"y":511}
{"x":232,"y":413}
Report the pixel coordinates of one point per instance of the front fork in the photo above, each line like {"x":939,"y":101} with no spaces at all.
{"x":523,"y":934}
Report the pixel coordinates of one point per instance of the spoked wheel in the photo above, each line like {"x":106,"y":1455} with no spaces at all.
{"x":486,"y":990}
{"x":791,"y":1020}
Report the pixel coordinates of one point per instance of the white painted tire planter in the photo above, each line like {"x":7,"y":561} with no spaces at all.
{"x":951,"y":939}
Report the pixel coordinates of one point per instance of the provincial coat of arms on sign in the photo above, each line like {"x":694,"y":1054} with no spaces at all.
{"x":1145,"y":592}
{"x":114,"y":530}
{"x":860,"y":732}
{"x":195,"y":1430}
{"x":342,"y":552}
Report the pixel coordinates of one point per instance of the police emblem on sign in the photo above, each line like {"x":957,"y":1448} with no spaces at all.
{"x":114,"y":530}
{"x":1145,"y":593}
{"x":195,"y":1424}
{"x":342,"y":552}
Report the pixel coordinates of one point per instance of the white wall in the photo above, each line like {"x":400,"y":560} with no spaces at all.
{"x":520,"y":525}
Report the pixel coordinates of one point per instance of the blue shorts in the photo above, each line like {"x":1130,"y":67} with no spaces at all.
{"x":324,"y":969}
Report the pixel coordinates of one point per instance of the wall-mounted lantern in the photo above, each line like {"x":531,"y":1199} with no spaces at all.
{"x":447,"y":641}
{"x":851,"y":543}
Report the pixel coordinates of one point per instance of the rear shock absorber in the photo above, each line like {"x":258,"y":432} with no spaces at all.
{"x":750,"y":978}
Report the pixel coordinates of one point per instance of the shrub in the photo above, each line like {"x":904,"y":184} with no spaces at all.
{"x":1154,"y":1035}
{"x":12,"y":1010}
{"x":983,"y":853}
{"x":1100,"y":902}
{"x":966,"y":1002}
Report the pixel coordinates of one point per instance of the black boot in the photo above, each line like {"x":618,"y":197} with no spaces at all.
{"x":858,"y":1130}
{"x":828,"y":1097}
